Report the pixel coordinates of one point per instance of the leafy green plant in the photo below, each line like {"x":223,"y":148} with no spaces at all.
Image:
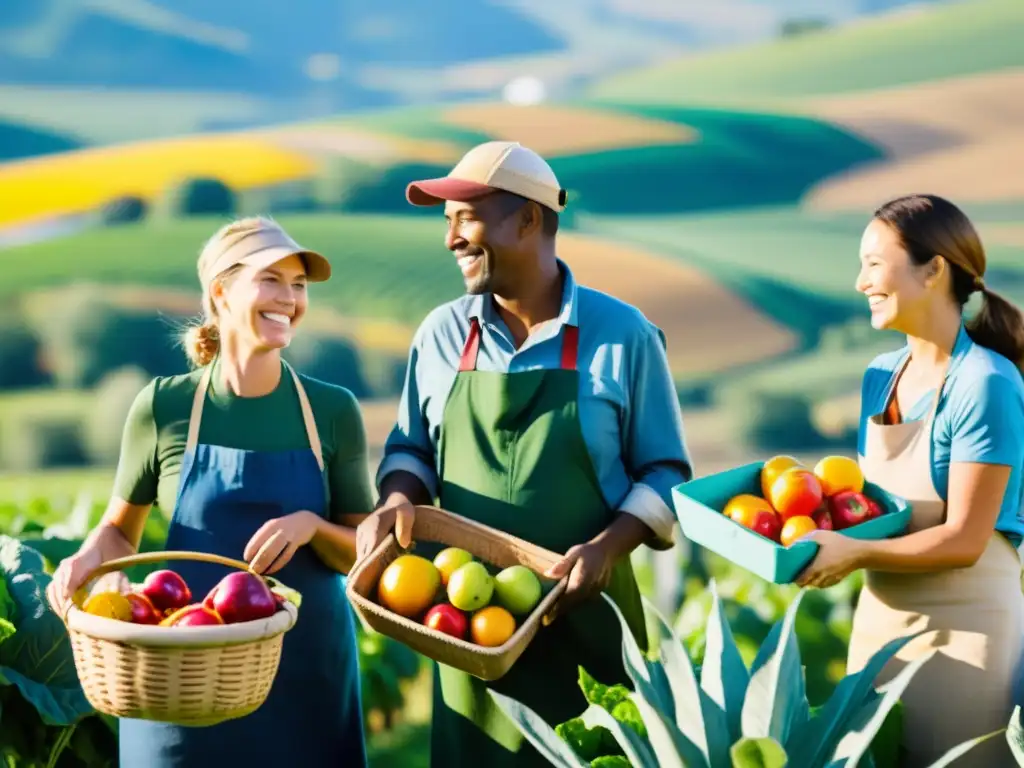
{"x":45,"y":720}
{"x":725,"y":713}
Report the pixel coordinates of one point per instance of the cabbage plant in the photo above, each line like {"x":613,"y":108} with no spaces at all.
{"x":725,"y":714}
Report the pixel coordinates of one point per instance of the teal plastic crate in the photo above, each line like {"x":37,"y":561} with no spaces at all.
{"x":699,"y":505}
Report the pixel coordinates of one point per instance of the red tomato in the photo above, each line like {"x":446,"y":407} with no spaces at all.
{"x":795,"y":493}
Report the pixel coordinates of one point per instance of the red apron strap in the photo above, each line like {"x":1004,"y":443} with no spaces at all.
{"x":469,"y":352}
{"x":570,"y":347}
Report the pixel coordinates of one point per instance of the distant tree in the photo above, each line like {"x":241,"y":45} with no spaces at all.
{"x":201,"y":197}
{"x":123,"y":210}
{"x":802,"y":26}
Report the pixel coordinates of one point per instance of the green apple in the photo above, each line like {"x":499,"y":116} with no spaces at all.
{"x":517,"y":589}
{"x":470,"y":587}
{"x":449,"y":559}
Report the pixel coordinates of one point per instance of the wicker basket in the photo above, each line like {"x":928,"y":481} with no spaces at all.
{"x":194,"y":676}
{"x":486,"y":544}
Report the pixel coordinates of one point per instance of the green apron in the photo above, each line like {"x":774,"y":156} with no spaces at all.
{"x":513,"y":457}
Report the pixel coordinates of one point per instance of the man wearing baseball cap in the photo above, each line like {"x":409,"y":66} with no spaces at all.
{"x":547,"y":410}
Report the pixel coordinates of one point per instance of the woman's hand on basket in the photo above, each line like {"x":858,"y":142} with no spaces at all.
{"x":274,"y":545}
{"x":396,"y":514}
{"x":69,"y":576}
{"x":838,"y":556}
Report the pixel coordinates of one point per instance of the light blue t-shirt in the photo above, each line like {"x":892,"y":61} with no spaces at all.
{"x":980,"y":418}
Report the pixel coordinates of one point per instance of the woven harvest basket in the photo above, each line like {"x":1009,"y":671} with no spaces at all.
{"x":487,"y":545}
{"x":194,"y":676}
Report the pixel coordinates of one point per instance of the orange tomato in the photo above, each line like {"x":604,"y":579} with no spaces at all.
{"x":794,"y":528}
{"x":796,"y":493}
{"x":839,"y":473}
{"x":774,"y":467}
{"x":492,"y":626}
{"x":408,"y":585}
{"x":745,"y":508}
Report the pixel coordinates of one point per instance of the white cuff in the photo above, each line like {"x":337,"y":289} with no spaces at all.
{"x":644,"y":503}
{"x":408,"y":463}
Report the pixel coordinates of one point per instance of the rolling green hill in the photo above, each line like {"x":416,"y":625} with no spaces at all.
{"x":736,"y":159}
{"x":368,"y":253}
{"x":957,"y":38}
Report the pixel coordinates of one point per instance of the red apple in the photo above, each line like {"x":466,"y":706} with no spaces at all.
{"x":849,"y":508}
{"x":194,"y":615}
{"x":874,"y":508}
{"x":446,"y":618}
{"x":143,"y":611}
{"x":768,"y":525}
{"x":241,"y":596}
{"x":166,"y":590}
{"x":823,"y":519}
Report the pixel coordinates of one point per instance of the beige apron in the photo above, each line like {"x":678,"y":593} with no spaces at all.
{"x":975,"y":614}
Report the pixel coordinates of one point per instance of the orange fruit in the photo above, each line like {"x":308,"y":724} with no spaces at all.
{"x":408,"y":585}
{"x":794,"y":528}
{"x":796,"y":493}
{"x":110,"y":605}
{"x":492,"y":626}
{"x":771,"y":470}
{"x":744,"y":508}
{"x":839,"y":473}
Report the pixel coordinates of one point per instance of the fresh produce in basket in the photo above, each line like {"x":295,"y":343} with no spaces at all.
{"x":459,"y":595}
{"x":797,"y":500}
{"x":164,"y":599}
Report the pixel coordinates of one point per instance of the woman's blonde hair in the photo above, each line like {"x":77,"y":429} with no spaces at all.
{"x":201,"y":339}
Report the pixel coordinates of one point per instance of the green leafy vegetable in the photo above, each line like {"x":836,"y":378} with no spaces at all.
{"x":37,"y":658}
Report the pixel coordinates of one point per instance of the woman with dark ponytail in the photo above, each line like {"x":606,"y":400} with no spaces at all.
{"x":942,"y":424}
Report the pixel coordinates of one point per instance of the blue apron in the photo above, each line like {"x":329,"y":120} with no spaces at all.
{"x":313,"y":715}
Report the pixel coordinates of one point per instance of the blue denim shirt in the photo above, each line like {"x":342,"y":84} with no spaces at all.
{"x":628,"y":406}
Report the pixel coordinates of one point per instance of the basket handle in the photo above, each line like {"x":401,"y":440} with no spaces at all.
{"x":120,"y":563}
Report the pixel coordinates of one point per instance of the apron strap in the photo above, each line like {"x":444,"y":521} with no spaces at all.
{"x":570,"y":347}
{"x":891,"y":409}
{"x":307,"y":417}
{"x":307,"y":414}
{"x":472,"y":347}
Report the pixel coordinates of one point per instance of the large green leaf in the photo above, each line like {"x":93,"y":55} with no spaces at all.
{"x":723,"y":675}
{"x":854,"y":744}
{"x":776,"y":700}
{"x":671,"y":748}
{"x":699,"y":718}
{"x":1015,"y":735}
{"x":635,"y":746}
{"x":539,"y":733}
{"x":758,"y":753}
{"x":8,"y":610}
{"x":37,"y":658}
{"x":816,"y":739}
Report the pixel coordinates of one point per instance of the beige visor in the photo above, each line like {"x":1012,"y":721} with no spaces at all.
{"x":260,"y":249}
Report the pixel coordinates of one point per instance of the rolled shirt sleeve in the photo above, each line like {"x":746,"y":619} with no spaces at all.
{"x":408,"y":446}
{"x":654,"y":446}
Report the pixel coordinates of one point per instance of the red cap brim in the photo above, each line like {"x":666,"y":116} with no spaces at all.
{"x":437,"y":191}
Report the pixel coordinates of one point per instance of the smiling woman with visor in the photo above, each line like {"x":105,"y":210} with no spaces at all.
{"x":258,"y":462}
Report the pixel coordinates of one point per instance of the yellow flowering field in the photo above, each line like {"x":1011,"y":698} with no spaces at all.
{"x":82,"y":180}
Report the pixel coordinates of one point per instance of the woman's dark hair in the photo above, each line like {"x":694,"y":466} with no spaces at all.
{"x":931,"y":226}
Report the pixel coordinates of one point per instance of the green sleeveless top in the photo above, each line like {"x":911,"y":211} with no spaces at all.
{"x":155,"y":431}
